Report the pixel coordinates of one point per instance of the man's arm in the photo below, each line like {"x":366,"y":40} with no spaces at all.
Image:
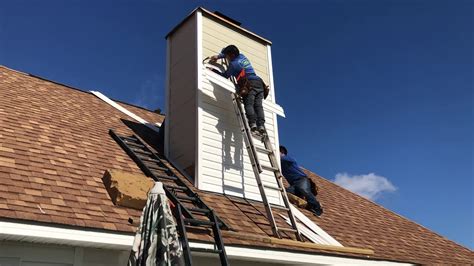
{"x":229,"y":70}
{"x":286,"y":158}
{"x":215,"y":57}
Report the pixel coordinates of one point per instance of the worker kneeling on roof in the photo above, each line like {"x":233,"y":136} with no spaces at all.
{"x":300,"y":184}
{"x":251,"y":86}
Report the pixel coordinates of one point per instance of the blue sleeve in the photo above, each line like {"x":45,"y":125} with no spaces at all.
{"x":233,"y":70}
{"x":221,"y":55}
{"x":287,"y":158}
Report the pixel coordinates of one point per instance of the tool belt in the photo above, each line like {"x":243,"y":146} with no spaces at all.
{"x":243,"y":84}
{"x":314,"y":187}
{"x":244,"y":87}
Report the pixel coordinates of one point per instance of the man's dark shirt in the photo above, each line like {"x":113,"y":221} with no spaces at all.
{"x":290,"y":169}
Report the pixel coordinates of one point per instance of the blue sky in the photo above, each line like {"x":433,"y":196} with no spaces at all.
{"x":377,"y":93}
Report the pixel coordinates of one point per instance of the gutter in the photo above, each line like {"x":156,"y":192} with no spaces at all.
{"x":47,"y":234}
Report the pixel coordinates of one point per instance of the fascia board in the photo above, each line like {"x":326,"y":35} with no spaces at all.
{"x":124,"y":110}
{"x":19,"y":231}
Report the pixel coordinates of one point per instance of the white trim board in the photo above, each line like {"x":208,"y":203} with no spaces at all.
{"x":315,"y":238}
{"x":18,"y":231}
{"x":289,"y":257}
{"x":55,"y":235}
{"x":226,"y":84}
{"x":125,"y":111}
{"x":270,"y":72}
{"x":199,"y":125}
{"x":314,"y":227}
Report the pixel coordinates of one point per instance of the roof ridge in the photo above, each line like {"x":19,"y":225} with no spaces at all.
{"x":141,"y":107}
{"x":71,"y":87}
{"x":397,"y":214}
{"x":44,"y":79}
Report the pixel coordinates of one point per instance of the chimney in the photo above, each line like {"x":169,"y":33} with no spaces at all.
{"x":202,"y":134}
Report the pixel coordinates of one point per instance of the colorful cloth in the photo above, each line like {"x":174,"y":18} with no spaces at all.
{"x":156,"y":241}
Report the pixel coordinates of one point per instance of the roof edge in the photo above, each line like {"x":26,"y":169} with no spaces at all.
{"x":74,"y":88}
{"x":221,"y":19}
{"x":325,"y":247}
{"x":44,"y":79}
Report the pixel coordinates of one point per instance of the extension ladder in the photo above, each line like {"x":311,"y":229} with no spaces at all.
{"x":253,"y":153}
{"x":188,"y":205}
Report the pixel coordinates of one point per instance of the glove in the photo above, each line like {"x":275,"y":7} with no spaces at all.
{"x":213,"y":58}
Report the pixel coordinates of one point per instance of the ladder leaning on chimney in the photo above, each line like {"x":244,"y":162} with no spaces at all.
{"x":190,"y":210}
{"x":258,"y":169}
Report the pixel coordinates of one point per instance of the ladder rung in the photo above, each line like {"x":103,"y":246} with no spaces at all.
{"x":134,"y":144}
{"x":279,"y":207}
{"x":205,"y":250}
{"x":273,"y":187}
{"x":155,"y":167}
{"x":258,"y":136}
{"x":264,"y":150}
{"x":182,"y":197}
{"x":141,"y":151}
{"x":175,"y":187}
{"x":195,"y":222}
{"x":167,"y":177}
{"x":148,"y":159}
{"x":287,"y":229}
{"x":133,"y":139}
{"x":270,"y":168}
{"x":205,"y":211}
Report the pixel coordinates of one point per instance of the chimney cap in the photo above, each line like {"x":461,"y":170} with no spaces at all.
{"x":222,"y":20}
{"x":238,"y":23}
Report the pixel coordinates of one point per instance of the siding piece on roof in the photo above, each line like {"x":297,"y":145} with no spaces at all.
{"x":203,"y":130}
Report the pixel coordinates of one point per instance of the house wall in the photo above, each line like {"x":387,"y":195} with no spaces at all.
{"x":225,"y":165}
{"x":28,"y":254}
{"x":181,"y":96}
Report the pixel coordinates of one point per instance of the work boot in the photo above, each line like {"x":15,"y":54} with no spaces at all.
{"x":261,"y":129}
{"x":316,"y":210}
{"x":253,"y":127}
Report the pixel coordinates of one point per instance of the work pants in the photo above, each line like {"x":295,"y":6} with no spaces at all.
{"x":253,"y":103}
{"x":302,"y":188}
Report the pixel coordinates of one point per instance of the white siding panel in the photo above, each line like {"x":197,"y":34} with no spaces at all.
{"x":226,"y":165}
{"x":181,"y":116}
{"x":216,"y":36}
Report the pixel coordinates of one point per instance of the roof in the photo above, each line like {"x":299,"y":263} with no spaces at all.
{"x":223,"y":19}
{"x":55,"y":148}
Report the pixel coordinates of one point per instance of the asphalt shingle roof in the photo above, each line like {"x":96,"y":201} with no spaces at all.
{"x":55,"y":148}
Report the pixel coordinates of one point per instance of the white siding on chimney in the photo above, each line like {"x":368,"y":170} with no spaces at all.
{"x":225,"y":165}
{"x":182,"y":87}
{"x":202,"y":130}
{"x":217,"y":36}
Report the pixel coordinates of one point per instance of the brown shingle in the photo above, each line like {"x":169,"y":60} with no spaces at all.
{"x":55,"y":147}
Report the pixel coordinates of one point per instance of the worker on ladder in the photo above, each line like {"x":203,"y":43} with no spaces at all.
{"x":251,"y":86}
{"x":300,"y":184}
